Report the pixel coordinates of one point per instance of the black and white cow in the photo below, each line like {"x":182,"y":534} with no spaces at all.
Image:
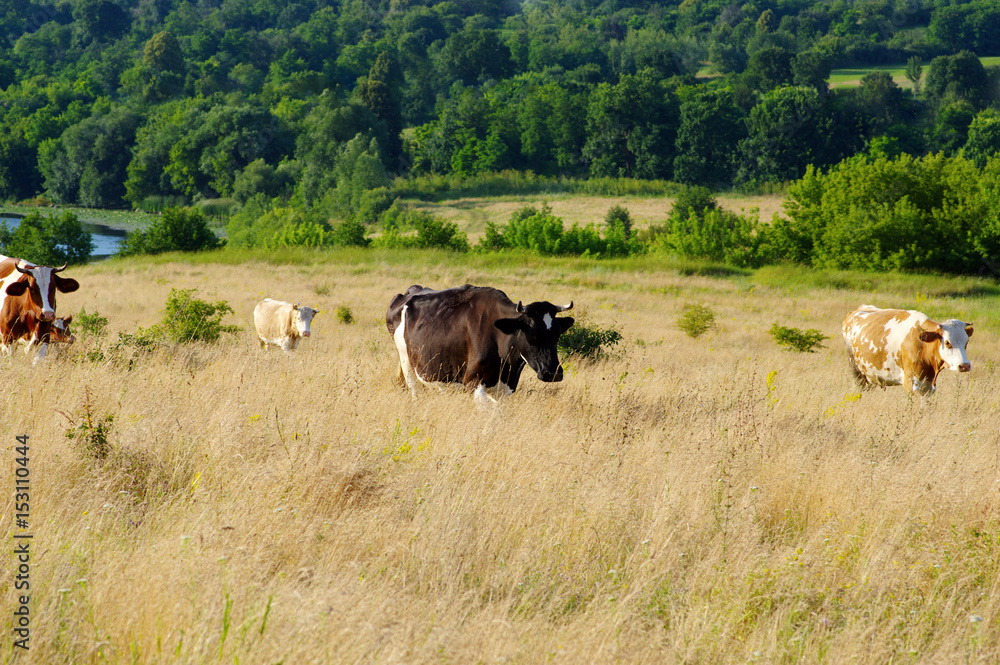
{"x":476,"y":336}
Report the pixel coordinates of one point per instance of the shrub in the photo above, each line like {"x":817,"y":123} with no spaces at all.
{"x":92,"y":433}
{"x":344,"y":314}
{"x":696,"y":320}
{"x":588,"y":341}
{"x":803,"y":341}
{"x":177,"y":230}
{"x":47,"y":239}
{"x":618,"y":216}
{"x":187,"y":319}
{"x":718,"y":235}
{"x":91,"y":324}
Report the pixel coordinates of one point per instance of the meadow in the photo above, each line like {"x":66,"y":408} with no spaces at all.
{"x":716,"y":500}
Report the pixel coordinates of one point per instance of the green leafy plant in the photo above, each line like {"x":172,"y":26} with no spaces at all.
{"x":344,"y":314}
{"x":91,"y":324}
{"x":696,"y":320}
{"x":90,"y":431}
{"x":177,"y":230}
{"x":188,"y":319}
{"x":588,"y":341}
{"x":803,"y":341}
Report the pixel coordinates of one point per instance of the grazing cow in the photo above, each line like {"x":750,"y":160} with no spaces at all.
{"x":28,"y":294}
{"x":893,"y":347}
{"x":476,"y":336}
{"x":282,"y":323}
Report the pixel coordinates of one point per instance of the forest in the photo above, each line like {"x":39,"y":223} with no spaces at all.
{"x":317,"y":111}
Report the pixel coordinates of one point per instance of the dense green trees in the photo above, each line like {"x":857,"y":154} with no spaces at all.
{"x":312,"y":107}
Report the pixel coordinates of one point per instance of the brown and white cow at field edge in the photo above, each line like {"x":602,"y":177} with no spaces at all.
{"x":28,"y":302}
{"x":47,"y":332}
{"x":893,"y":347}
{"x":282,"y":323}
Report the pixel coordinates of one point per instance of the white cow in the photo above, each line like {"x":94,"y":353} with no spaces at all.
{"x":282,"y":323}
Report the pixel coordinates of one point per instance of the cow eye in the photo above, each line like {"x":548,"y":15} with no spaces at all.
{"x":947,"y":344}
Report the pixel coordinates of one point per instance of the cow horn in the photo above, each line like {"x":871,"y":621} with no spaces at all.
{"x":520,"y":308}
{"x":565,"y":308}
{"x":20,"y":269}
{"x":55,"y":270}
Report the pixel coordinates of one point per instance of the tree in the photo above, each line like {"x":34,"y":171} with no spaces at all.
{"x":474,"y":56}
{"x":769,"y":68}
{"x":630,"y":128}
{"x":711,"y":127}
{"x":48,"y":239}
{"x":176,"y":230}
{"x":914,"y":72}
{"x":380,"y":93}
{"x":984,"y":138}
{"x":880,"y":102}
{"x":787,"y":130}
{"x":101,"y":20}
{"x":959,"y":76}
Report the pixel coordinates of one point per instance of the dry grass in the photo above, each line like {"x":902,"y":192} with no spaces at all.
{"x":471,"y":214}
{"x":719,"y":500}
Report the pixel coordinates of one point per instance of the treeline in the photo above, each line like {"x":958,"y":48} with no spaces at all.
{"x":153,"y":103}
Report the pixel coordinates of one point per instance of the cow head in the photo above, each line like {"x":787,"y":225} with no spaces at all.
{"x":536,"y":332}
{"x":302,"y":317}
{"x":953,"y":336}
{"x":41,"y":285}
{"x":60,"y":330}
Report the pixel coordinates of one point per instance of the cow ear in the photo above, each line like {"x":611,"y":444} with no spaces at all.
{"x":564,"y":323}
{"x":968,"y":329}
{"x":17,"y":288}
{"x":66,"y":284}
{"x":929,"y":335}
{"x":67,"y":319}
{"x":509,"y":326}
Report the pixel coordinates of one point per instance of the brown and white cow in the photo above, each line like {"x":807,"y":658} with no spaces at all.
{"x":893,"y":347}
{"x":282,"y":323}
{"x":475,"y":336}
{"x":28,"y":295}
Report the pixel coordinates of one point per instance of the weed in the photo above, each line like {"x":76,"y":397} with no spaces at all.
{"x":803,"y":341}
{"x":696,"y":320}
{"x":344,"y":314}
{"x":90,"y":431}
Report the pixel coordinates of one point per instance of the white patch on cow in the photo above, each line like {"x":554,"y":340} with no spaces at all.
{"x":953,"y":333}
{"x":399,"y":337}
{"x":548,"y":321}
{"x":43,"y":276}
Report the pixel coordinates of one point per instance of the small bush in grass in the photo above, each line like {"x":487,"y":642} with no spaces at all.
{"x":91,"y":432}
{"x":344,"y":314}
{"x":588,"y":341}
{"x":696,"y":320}
{"x":803,"y":341}
{"x":187,"y":319}
{"x":91,"y":324}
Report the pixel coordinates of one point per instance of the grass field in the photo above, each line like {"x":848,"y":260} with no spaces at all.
{"x":472,"y":214}
{"x":718,"y":500}
{"x":851,"y":78}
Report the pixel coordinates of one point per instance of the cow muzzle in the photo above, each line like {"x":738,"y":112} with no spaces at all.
{"x":48,"y":315}
{"x":305,"y":334}
{"x":965,"y":367}
{"x":551,"y":378}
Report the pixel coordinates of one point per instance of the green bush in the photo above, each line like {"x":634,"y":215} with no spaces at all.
{"x":344,"y":314}
{"x":177,"y":230}
{"x":696,"y":320}
{"x":91,"y":324}
{"x":49,"y":240}
{"x":187,"y":319}
{"x":588,"y":341}
{"x":803,"y":341}
{"x":718,"y":235}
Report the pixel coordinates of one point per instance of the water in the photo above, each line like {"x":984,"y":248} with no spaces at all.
{"x":106,"y":239}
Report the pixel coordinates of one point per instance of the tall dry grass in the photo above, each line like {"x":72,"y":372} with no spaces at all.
{"x":718,"y":500}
